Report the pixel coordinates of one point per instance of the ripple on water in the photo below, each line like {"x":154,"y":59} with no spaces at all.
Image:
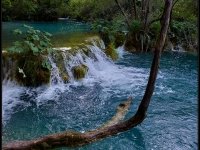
{"x":171,"y":122}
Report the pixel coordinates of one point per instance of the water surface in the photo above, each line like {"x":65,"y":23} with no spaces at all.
{"x":64,"y":32}
{"x":171,"y":122}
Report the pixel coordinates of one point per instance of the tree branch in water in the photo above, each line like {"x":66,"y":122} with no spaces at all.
{"x":75,"y":139}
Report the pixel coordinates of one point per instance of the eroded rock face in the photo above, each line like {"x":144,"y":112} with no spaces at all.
{"x":26,"y":70}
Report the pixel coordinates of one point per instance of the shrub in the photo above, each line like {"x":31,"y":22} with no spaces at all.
{"x":33,"y":66}
{"x":136,"y":26}
{"x":35,"y":43}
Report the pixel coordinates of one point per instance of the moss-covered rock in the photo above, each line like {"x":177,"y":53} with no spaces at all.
{"x":79,"y":71}
{"x":110,"y":51}
{"x":30,"y":72}
{"x":63,"y":72}
{"x":59,"y":60}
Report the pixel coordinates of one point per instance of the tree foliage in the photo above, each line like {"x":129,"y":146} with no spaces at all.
{"x":143,"y":16}
{"x":34,"y":43}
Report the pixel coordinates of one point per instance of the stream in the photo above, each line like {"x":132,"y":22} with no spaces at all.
{"x":171,"y":121}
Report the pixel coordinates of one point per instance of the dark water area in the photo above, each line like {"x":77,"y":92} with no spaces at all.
{"x":171,"y":122}
{"x":61,"y":30}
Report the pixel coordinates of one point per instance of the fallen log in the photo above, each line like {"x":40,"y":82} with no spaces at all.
{"x":70,"y":138}
{"x":75,"y":139}
{"x":121,"y":111}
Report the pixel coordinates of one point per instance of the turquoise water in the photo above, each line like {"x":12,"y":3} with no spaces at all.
{"x":171,"y":123}
{"x":59,"y":29}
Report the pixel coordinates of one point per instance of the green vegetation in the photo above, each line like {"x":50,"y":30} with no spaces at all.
{"x":35,"y":43}
{"x":44,"y":10}
{"x":33,"y":67}
{"x":48,"y":10}
{"x":111,"y":51}
{"x":136,"y":24}
{"x":109,"y":17}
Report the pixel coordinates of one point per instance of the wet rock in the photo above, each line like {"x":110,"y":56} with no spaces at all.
{"x":32,"y":72}
{"x":110,"y":51}
{"x":79,"y":71}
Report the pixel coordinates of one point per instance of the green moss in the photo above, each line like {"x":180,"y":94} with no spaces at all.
{"x":79,"y":71}
{"x":34,"y":74}
{"x":155,"y":28}
{"x":111,"y":51}
{"x":136,"y":26}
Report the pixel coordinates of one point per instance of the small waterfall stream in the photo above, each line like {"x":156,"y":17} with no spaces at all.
{"x":101,"y":70}
{"x":87,"y":103}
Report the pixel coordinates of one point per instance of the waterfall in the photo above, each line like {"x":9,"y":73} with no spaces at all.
{"x":101,"y":71}
{"x":100,"y":67}
{"x":90,"y":55}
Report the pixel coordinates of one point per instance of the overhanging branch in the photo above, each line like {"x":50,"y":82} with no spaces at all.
{"x":75,"y":139}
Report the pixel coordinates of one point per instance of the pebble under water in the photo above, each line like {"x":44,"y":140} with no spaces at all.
{"x":171,"y":122}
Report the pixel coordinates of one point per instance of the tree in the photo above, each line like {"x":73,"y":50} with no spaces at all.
{"x":141,"y":37}
{"x":6,"y":7}
{"x":74,"y":139}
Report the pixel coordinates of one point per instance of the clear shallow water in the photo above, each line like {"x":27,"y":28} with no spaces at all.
{"x":171,"y":122}
{"x":61,"y":30}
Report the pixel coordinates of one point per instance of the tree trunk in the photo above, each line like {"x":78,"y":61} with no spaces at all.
{"x":146,"y":14}
{"x":75,"y":139}
{"x":135,"y":10}
{"x":124,"y":14}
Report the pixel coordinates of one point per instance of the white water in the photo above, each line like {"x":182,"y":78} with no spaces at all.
{"x":102,"y":70}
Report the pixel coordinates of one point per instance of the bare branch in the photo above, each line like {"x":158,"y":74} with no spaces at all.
{"x":124,"y":14}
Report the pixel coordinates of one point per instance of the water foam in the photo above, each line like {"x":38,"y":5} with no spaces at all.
{"x":10,"y":99}
{"x":101,"y":70}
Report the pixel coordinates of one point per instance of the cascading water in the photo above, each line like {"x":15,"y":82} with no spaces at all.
{"x":100,"y":67}
{"x":87,"y":103}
